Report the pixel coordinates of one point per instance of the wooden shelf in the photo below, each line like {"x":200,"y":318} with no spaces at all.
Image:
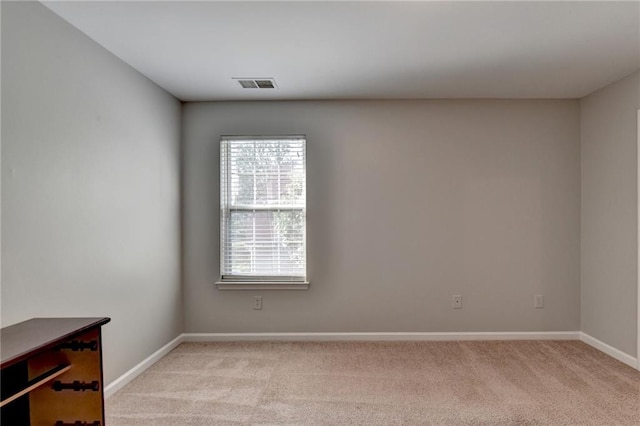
{"x":51,"y":372}
{"x":37,"y":382}
{"x":22,"y":340}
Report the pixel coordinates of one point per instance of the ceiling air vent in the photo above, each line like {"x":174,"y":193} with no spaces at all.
{"x":257,"y":83}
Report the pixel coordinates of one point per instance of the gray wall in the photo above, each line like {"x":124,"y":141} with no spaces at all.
{"x":610,"y":213}
{"x":90,"y":188}
{"x":409,"y":202}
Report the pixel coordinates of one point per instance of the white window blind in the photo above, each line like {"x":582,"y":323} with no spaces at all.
{"x":263,"y":209}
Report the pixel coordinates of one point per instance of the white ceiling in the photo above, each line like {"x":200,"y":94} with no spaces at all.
{"x":363,"y":50}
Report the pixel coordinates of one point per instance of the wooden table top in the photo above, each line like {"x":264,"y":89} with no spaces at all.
{"x":19,"y":341}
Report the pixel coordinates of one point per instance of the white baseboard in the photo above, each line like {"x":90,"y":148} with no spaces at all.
{"x":289,"y":337}
{"x":609,"y":350}
{"x":118,"y":383}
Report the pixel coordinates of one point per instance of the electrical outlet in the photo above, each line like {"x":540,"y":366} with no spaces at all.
{"x":456,"y":301}
{"x":538,"y":301}
{"x":257,"y":302}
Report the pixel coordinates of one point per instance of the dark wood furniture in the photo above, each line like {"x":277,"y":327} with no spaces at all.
{"x":51,"y":372}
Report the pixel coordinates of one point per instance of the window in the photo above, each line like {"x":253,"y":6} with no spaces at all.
{"x":262,"y":211}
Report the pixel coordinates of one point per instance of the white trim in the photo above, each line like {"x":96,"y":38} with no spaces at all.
{"x":638,"y":243}
{"x":609,"y":350}
{"x":263,"y":137}
{"x":289,"y":337}
{"x":280,"y":285}
{"x":121,"y":381}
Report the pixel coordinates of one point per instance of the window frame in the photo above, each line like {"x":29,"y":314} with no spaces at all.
{"x":266,"y":282}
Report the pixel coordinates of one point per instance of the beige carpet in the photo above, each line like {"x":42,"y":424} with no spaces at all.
{"x":382,"y":383}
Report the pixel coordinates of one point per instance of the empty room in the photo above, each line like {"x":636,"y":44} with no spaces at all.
{"x":320,"y":212}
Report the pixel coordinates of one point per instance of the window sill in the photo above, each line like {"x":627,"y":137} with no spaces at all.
{"x":284,"y":285}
